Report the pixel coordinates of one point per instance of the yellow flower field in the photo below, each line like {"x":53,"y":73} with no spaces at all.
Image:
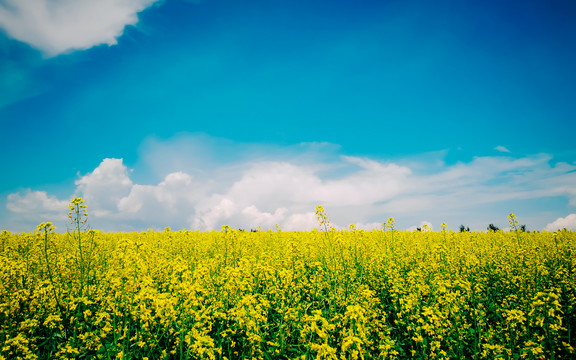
{"x":325,"y":294}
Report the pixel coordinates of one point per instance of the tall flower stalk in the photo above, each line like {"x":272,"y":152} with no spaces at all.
{"x":45,"y":230}
{"x":78,"y":215}
{"x":514,"y":226}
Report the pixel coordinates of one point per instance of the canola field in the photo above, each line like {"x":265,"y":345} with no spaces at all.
{"x":323,"y":294}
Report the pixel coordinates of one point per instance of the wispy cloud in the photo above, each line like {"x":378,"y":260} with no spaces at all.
{"x":501,"y":149}
{"x":268,"y":185}
{"x":58,"y":26}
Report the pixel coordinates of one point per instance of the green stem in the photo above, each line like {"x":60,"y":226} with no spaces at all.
{"x":80,"y":249}
{"x":56,"y":296}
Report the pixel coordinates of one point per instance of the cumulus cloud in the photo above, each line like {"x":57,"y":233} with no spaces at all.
{"x":248,"y":217}
{"x":266,"y":190}
{"x":58,"y":26}
{"x":266,"y":187}
{"x":171,"y":202}
{"x":568,"y":222}
{"x":37,"y":204}
{"x":301,"y":221}
{"x":104,"y":187}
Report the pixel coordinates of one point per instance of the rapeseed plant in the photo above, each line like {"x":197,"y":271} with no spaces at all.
{"x":330,"y":294}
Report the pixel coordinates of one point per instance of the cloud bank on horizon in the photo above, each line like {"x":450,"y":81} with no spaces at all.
{"x":264,"y":187}
{"x":59,"y":26}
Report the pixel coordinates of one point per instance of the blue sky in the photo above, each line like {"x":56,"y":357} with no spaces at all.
{"x":196,"y":114}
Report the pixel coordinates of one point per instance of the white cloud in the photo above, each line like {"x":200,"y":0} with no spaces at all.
{"x":568,"y":222}
{"x":427,"y":223}
{"x":268,"y":183}
{"x":58,"y":26}
{"x":264,"y":186}
{"x":105,"y":186}
{"x":176,"y":188}
{"x":37,"y":204}
{"x":488,"y":180}
{"x":172,"y":202}
{"x":501,"y":149}
{"x":302,"y":221}
{"x":227,"y":211}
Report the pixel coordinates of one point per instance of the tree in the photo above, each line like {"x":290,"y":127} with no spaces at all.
{"x":492,"y":227}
